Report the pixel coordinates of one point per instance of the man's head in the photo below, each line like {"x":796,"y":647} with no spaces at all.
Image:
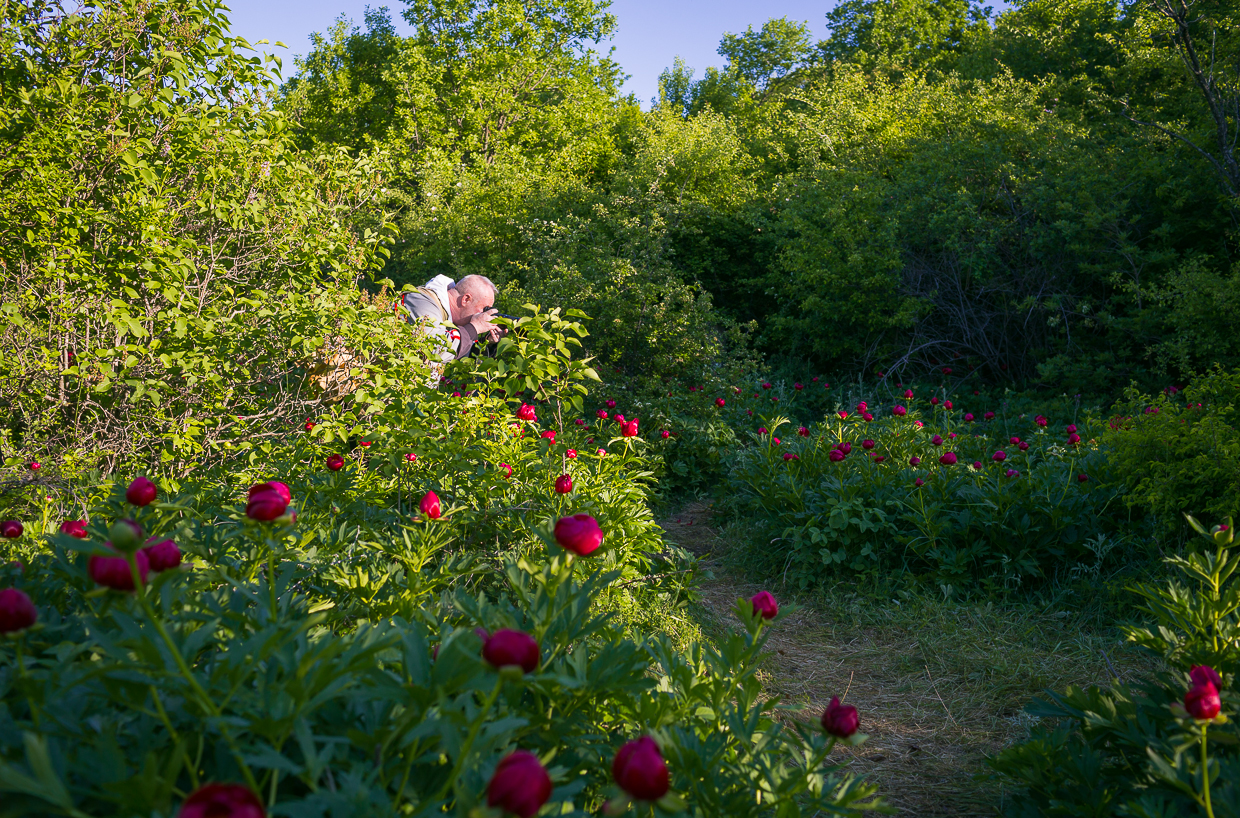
{"x":469,"y":296}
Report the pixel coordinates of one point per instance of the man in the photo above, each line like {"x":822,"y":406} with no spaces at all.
{"x":456,"y":313}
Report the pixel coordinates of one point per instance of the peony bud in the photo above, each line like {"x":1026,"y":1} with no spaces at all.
{"x":1200,"y":674}
{"x":840,"y":720}
{"x":843,"y":415}
{"x":764,"y":604}
{"x":430,"y":505}
{"x":1014,"y":440}
{"x":114,"y":572}
{"x":222,"y":801}
{"x":618,"y":418}
{"x":1040,"y":420}
{"x":914,"y":461}
{"x":526,"y":412}
{"x":508,"y":647}
{"x":948,"y":459}
{"x":309,"y":425}
{"x":1074,"y":439}
{"x":1071,"y":428}
{"x":798,"y":386}
{"x":549,"y":435}
{"x":867,"y":444}
{"x":11,"y":529}
{"x":934,"y":401}
{"x":580,"y":422}
{"x":571,"y":454}
{"x":867,"y":417}
{"x":564,"y":483}
{"x":611,"y":404}
{"x":579,"y":533}
{"x":125,"y":535}
{"x":520,"y":785}
{"x":766,"y":385}
{"x":601,"y":414}
{"x":640,"y":771}
{"x":1023,"y":446}
{"x":761,"y":430}
{"x":989,"y":416}
{"x":267,"y":501}
{"x":665,"y":434}
{"x":803,"y":432}
{"x":74,"y":528}
{"x":899,"y":411}
{"x":968,"y":417}
{"x":790,"y":456}
{"x":506,"y":469}
{"x":1013,"y":473}
{"x":947,"y":404}
{"x":17,"y":612}
{"x":1082,"y":478}
{"x":908,"y":394}
{"x":919,"y":482}
{"x":720,"y":402}
{"x":836,"y":455}
{"x":845,"y":447}
{"x":629,"y":429}
{"x":163,"y":555}
{"x":1202,"y":701}
{"x":141,"y":492}
{"x":410,"y":457}
{"x":999,"y":456}
{"x":335,"y":462}
{"x":936,"y":441}
{"x":33,"y":465}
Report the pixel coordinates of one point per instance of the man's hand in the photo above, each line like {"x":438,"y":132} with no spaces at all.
{"x":482,"y":323}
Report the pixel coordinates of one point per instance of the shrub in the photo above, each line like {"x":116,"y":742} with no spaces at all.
{"x":1180,"y":450}
{"x":1132,"y":749}
{"x":973,"y":509}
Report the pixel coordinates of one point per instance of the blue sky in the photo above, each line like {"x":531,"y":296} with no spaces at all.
{"x":652,"y":33}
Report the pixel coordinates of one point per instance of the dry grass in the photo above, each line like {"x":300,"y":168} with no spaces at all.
{"x":939,"y":684}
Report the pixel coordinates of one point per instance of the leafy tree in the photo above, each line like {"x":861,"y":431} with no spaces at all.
{"x":675,"y":88}
{"x":902,"y":34}
{"x":761,"y":57}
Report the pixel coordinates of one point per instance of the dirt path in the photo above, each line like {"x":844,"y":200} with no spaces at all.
{"x":939,"y":688}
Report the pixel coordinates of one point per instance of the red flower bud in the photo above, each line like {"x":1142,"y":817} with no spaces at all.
{"x":1040,"y":420}
{"x":1082,"y":478}
{"x":430,"y":505}
{"x":790,"y":456}
{"x":1071,"y":428}
{"x":17,"y":612}
{"x":618,"y":418}
{"x":766,"y":385}
{"x":579,"y":533}
{"x":840,"y":720}
{"x":335,"y":462}
{"x":936,"y":441}
{"x":977,"y":465}
{"x":999,"y":456}
{"x":919,"y":482}
{"x":410,"y":457}
{"x":629,"y":429}
{"x":141,"y":492}
{"x":1202,"y":701}
{"x":845,"y":447}
{"x":803,"y":432}
{"x":74,"y":528}
{"x":506,"y":469}
{"x":580,"y":422}
{"x":1013,"y":473}
{"x":798,"y":387}
{"x":611,"y":404}
{"x":934,"y":401}
{"x":1200,"y":674}
{"x":1023,"y":446}
{"x":309,"y":424}
{"x":11,"y":529}
{"x":549,"y":435}
{"x":968,"y":417}
{"x":571,"y":454}
{"x":761,"y":430}
{"x":665,"y":434}
{"x":508,"y":647}
{"x":836,"y":455}
{"x":720,"y":402}
{"x":1014,"y":440}
{"x":1074,"y":439}
{"x":33,"y":465}
{"x":867,"y":444}
{"x":843,"y":415}
{"x":899,"y":411}
{"x":867,"y":417}
{"x":640,"y":771}
{"x":764,"y":604}
{"x":365,"y":444}
{"x":526,"y":412}
{"x":989,"y":416}
{"x":163,"y":555}
{"x":914,"y":461}
{"x":267,"y":501}
{"x":564,"y":483}
{"x":908,"y":394}
{"x":222,"y":801}
{"x":947,"y":404}
{"x":948,"y":459}
{"x":520,"y":785}
{"x":602,"y":414}
{"x":114,"y":572}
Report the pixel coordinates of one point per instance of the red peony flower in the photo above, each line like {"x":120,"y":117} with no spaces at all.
{"x":766,"y":385}
{"x":914,"y":461}
{"x":840,"y":720}
{"x":571,"y":454}
{"x":74,"y":528}
{"x":640,"y":771}
{"x":948,"y":459}
{"x":843,"y":415}
{"x":1013,"y":473}
{"x":1200,"y":674}
{"x":549,"y":435}
{"x":1074,"y":439}
{"x":17,"y":612}
{"x":919,"y":482}
{"x":580,"y":422}
{"x":790,"y":456}
{"x":1023,"y":446}
{"x":1082,"y":478}
{"x":602,"y":414}
{"x":309,"y":424}
{"x":934,"y":401}
{"x":579,"y":533}
{"x":526,"y":412}
{"x":867,"y":417}
{"x":163,"y":555}
{"x":430,"y":505}
{"x":141,"y":492}
{"x":899,"y":411}
{"x":564,"y":483}
{"x":908,"y":394}
{"x":665,"y":434}
{"x":267,"y":501}
{"x":410,"y":457}
{"x":720,"y":402}
{"x":114,"y":572}
{"x":1040,"y":420}
{"x":506,"y":469}
{"x":11,"y":529}
{"x":845,"y":447}
{"x":1071,"y":428}
{"x":761,"y":430}
{"x":33,"y":465}
{"x":868,"y":444}
{"x":798,"y":386}
{"x":335,"y":462}
{"x":999,"y":456}
{"x":222,"y":801}
{"x":989,"y":416}
{"x":764,"y":603}
{"x":836,"y":455}
{"x":520,"y":785}
{"x":968,"y":417}
{"x":803,"y":432}
{"x":936,"y":441}
{"x":629,"y":429}
{"x":611,"y":404}
{"x":1202,"y":701}
{"x":947,"y":404}
{"x":508,"y":647}
{"x":977,"y":465}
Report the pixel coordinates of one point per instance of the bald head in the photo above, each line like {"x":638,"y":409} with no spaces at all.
{"x":469,"y":296}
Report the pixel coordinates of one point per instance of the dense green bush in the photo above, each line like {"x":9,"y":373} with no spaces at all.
{"x":1132,"y":749}
{"x":852,"y":496}
{"x":1179,"y":451}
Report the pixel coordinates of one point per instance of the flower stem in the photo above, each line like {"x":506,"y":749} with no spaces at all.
{"x":1205,"y":772}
